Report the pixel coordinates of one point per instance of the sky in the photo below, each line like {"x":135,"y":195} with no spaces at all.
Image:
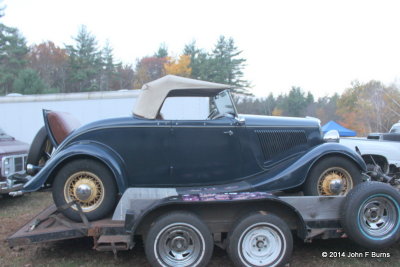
{"x":320,"y":46}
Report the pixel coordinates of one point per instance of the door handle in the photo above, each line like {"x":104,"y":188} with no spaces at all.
{"x":230,"y":133}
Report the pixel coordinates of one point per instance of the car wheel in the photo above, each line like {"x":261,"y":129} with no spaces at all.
{"x":370,"y":215}
{"x":90,"y":184}
{"x":332,"y":176}
{"x":260,"y":240}
{"x":179,"y":239}
{"x":40,"y":149}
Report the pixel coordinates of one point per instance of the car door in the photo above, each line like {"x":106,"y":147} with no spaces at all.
{"x":205,"y":152}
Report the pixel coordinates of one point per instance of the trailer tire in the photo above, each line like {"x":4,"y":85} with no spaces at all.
{"x":40,"y":149}
{"x":332,"y":176}
{"x":260,"y":240}
{"x":371,"y":215}
{"x":179,"y":239}
{"x":90,"y":184}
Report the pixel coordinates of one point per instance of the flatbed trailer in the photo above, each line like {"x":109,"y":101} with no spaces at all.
{"x":255,"y":228}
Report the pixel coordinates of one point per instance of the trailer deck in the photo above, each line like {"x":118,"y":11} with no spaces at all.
{"x":50,"y":225}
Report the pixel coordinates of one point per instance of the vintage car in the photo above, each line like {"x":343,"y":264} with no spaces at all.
{"x":13,"y":156}
{"x":222,"y":152}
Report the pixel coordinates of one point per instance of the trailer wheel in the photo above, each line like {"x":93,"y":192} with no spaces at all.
{"x":90,"y":184}
{"x":332,"y":176}
{"x":179,"y":239}
{"x":40,"y":149}
{"x":260,"y":240}
{"x":371,"y":215}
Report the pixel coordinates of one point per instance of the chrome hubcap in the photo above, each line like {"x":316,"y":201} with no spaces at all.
{"x":83,"y":192}
{"x":179,"y":244}
{"x":378,"y":216}
{"x":261,"y":245}
{"x":334,"y":181}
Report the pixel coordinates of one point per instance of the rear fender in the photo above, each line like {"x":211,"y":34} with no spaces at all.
{"x":82,"y":149}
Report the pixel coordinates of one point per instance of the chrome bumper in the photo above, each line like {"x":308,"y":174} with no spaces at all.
{"x":8,"y":186}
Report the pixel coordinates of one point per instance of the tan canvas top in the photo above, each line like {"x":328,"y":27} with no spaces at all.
{"x":153,"y":94}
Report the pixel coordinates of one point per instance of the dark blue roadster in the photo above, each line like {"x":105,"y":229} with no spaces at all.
{"x":226,"y":152}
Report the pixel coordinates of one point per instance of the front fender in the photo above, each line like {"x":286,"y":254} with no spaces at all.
{"x":296,"y":173}
{"x":75,"y":151}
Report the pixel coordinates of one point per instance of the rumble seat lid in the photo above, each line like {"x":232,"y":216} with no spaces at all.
{"x":153,"y":94}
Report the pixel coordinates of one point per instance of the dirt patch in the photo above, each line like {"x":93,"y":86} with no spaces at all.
{"x":15,"y":212}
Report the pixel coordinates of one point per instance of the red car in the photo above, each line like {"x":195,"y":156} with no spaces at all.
{"x":13,"y":156}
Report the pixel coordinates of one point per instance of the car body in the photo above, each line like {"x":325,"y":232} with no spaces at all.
{"x":379,"y":148}
{"x":13,"y":154}
{"x":226,"y":151}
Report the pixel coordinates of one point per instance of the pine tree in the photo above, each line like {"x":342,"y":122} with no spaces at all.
{"x":109,"y":68}
{"x":227,"y":66}
{"x":84,"y":68}
{"x":13,"y":52}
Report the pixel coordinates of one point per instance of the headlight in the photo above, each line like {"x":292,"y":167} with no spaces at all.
{"x":6,"y":167}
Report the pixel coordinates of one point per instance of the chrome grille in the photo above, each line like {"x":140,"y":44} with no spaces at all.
{"x":13,"y":164}
{"x":274,"y":142}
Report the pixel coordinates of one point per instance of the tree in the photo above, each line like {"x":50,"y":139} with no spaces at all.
{"x":28,"y":82}
{"x":124,"y":77}
{"x":13,"y":52}
{"x":109,"y":71}
{"x":162,"y":51}
{"x":84,"y":64}
{"x":149,"y":69}
{"x":369,"y":107}
{"x":227,"y":67}
{"x":222,"y":65}
{"x":200,"y":62}
{"x":180,"y":67}
{"x":50,"y":62}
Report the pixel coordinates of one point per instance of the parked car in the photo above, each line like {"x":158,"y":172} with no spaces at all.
{"x":226,"y":152}
{"x":381,"y":152}
{"x":13,"y":155}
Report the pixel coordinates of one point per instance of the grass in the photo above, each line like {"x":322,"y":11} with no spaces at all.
{"x":15,"y":212}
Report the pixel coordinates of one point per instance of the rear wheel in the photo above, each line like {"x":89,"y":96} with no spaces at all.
{"x":260,"y":240}
{"x":88,"y":183}
{"x":332,"y":176}
{"x":179,"y":239}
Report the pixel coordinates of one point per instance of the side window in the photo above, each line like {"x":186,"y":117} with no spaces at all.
{"x":185,"y":108}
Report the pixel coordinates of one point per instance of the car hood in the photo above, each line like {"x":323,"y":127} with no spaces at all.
{"x":12,"y":147}
{"x":275,"y":121}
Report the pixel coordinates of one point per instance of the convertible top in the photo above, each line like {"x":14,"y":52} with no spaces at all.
{"x":153,"y":94}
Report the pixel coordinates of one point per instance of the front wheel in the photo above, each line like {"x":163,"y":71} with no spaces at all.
{"x":179,"y":239}
{"x":332,"y":176}
{"x":89,"y":184}
{"x":260,"y":240}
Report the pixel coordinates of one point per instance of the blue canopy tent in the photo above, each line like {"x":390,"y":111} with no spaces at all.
{"x":336,"y":126}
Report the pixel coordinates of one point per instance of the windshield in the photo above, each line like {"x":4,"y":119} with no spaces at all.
{"x":395,"y":128}
{"x":223,"y":104}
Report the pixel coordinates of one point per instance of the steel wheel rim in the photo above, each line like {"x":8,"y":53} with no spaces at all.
{"x":261,"y":244}
{"x":331,"y":176}
{"x":179,"y":244}
{"x":378,"y":216}
{"x":84,"y":179}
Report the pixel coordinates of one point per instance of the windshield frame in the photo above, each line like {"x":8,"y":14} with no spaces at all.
{"x":214,"y":103}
